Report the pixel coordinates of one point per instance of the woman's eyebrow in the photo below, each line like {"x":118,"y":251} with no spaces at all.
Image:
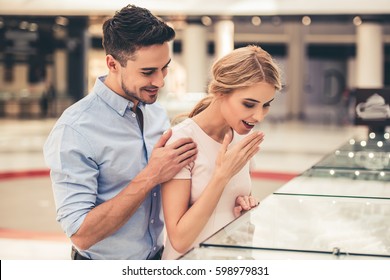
{"x":257,"y":101}
{"x":252,"y":100}
{"x":269,"y":101}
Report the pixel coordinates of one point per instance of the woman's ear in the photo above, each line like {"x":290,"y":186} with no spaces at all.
{"x":219,"y":94}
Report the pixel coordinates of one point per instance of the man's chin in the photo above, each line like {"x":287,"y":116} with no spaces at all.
{"x":150,"y":100}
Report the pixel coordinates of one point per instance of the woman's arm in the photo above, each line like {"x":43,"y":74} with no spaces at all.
{"x":184,"y":223}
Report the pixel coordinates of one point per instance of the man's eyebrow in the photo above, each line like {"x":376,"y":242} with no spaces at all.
{"x":155,"y":68}
{"x":169,"y":61}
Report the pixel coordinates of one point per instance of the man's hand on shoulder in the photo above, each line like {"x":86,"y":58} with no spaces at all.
{"x":167,"y":160}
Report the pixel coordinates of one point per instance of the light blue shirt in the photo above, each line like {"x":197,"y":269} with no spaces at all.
{"x":94,"y":151}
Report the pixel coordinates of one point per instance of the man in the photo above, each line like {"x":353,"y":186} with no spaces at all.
{"x":107,"y":154}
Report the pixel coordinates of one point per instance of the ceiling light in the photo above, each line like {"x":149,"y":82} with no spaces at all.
{"x":23,"y":25}
{"x":62,"y":21}
{"x":306,"y":20}
{"x":33,"y":27}
{"x":206,"y":20}
{"x":357,"y":21}
{"x":256,"y":21}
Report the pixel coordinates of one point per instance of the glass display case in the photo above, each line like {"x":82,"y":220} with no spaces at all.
{"x":230,"y":253}
{"x":359,"y":168}
{"x":338,"y":209}
{"x":332,"y":225}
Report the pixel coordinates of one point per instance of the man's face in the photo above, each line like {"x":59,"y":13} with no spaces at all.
{"x":144,"y":74}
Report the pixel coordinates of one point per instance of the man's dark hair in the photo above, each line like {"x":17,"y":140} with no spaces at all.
{"x":132,"y":28}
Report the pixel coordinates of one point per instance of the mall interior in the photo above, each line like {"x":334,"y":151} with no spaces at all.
{"x":322,"y":174}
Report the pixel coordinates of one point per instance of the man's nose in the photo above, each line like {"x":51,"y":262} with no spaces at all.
{"x":158,"y":80}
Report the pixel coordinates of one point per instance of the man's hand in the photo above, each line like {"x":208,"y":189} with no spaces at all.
{"x":166,"y":161}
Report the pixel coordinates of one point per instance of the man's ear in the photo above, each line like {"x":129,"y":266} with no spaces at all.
{"x":112,"y":63}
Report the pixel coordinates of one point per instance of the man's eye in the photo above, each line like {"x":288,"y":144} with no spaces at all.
{"x":147,"y":73}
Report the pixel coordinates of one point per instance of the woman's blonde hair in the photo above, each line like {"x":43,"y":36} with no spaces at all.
{"x":243,"y":67}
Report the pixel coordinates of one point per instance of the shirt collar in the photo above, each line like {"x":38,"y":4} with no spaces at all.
{"x":114,"y":100}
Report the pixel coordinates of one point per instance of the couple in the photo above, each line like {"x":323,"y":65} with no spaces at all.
{"x":112,"y":165}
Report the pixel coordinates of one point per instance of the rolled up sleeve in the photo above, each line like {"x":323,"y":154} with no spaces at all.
{"x":74,"y":174}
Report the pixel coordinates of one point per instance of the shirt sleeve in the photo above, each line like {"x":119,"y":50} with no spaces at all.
{"x":74,"y":174}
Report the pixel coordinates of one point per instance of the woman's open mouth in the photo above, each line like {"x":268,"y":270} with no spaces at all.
{"x":249,"y":125}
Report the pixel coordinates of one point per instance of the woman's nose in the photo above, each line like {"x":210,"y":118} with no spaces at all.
{"x":259,"y":115}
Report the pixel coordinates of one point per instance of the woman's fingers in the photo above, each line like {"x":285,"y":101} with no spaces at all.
{"x":253,"y":201}
{"x":248,"y":147}
{"x":226,"y":141}
{"x":246,"y":202}
{"x":237,"y":211}
{"x":252,"y":139}
{"x":222,"y":151}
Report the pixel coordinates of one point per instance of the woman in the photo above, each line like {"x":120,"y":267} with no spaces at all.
{"x":214,"y":190}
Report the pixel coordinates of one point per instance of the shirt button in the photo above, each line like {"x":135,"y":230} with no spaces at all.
{"x":154,"y":248}
{"x":152,"y":221}
{"x":133,"y":114}
{"x":154,"y":194}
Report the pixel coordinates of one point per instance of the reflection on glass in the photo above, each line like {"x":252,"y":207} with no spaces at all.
{"x":368,"y":159}
{"x":372,"y":160}
{"x":351,"y":174}
{"x":338,"y":186}
{"x":366,"y":154}
{"x":312,"y":224}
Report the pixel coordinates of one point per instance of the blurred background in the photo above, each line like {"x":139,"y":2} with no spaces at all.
{"x":51,"y":54}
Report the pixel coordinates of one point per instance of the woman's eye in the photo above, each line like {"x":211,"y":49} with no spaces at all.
{"x":249,"y":105}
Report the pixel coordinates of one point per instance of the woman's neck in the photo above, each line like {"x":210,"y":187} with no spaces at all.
{"x":212,"y":122}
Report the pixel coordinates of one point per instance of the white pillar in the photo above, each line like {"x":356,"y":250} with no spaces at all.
{"x":369,"y":56}
{"x":195,"y":57}
{"x":296,"y":70}
{"x":60,"y":72}
{"x":224,"y":37}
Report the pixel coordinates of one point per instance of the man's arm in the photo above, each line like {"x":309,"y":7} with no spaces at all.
{"x":108,"y":217}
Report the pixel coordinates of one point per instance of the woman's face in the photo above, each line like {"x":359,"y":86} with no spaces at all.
{"x":245,"y":107}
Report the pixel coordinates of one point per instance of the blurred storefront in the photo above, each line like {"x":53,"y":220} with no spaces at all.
{"x":47,"y":62}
